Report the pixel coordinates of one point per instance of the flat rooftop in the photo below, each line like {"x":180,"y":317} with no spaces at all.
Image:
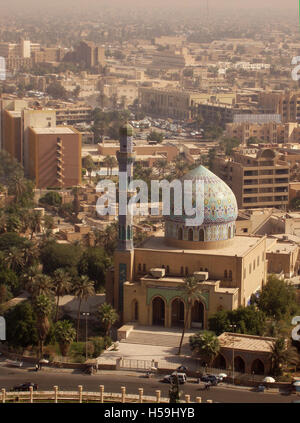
{"x":246,"y":342}
{"x":59,"y":130}
{"x":240,"y":246}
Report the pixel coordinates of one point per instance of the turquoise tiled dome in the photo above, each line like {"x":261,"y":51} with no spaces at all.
{"x":220,"y":204}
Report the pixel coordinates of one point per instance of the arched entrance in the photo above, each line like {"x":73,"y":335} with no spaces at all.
{"x":177,"y":310}
{"x":258,"y":367}
{"x":158,"y":312}
{"x":191,"y":235}
{"x":198,"y":315}
{"x":239,"y":365}
{"x":201,"y":235}
{"x":220,"y":362}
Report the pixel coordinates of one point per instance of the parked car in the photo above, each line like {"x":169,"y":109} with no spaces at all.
{"x":210,"y":378}
{"x":25,"y":386}
{"x":181,"y":378}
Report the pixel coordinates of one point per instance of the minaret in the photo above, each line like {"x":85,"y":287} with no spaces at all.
{"x":125,"y":158}
{"x":124,"y":254}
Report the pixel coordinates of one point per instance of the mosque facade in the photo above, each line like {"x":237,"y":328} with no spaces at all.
{"x":146,"y":284}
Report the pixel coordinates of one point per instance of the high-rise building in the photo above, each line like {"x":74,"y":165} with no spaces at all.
{"x":258,"y":177}
{"x":54,"y":156}
{"x":90,"y":54}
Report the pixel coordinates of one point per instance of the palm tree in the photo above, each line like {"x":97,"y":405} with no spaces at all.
{"x":110,"y":162}
{"x":42,"y":285}
{"x":17,"y":186}
{"x":42,"y":306}
{"x":35,"y":222}
{"x":278,"y":355}
{"x":65,"y":334}
{"x":191,"y":292}
{"x":14,"y":259}
{"x":27,"y":278}
{"x":30,"y":253}
{"x":62,"y":284}
{"x":206,"y":344}
{"x":108,"y":316}
{"x":83,"y":289}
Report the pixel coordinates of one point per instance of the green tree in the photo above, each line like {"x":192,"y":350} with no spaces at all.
{"x":247,"y":319}
{"x":107,"y":316}
{"x":206,"y":345}
{"x":277,"y":299}
{"x":191,"y":292}
{"x":89,"y":165}
{"x":21,"y":325}
{"x":54,"y":256}
{"x":162,"y":166}
{"x":65,"y":334}
{"x":42,"y":285}
{"x":42,"y":306}
{"x":94,"y":263}
{"x":52,"y":198}
{"x":83,"y":288}
{"x":62,"y":286}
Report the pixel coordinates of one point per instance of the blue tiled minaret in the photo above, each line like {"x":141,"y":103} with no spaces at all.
{"x":125,"y":158}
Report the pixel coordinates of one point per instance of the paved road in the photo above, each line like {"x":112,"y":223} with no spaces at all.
{"x":113,"y":381}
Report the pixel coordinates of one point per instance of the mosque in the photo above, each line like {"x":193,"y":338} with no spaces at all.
{"x":146,"y":284}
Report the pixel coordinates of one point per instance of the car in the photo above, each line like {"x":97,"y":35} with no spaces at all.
{"x":181,"y":378}
{"x":210,"y":378}
{"x":25,"y":386}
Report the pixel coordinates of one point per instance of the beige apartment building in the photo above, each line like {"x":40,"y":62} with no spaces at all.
{"x":271,"y":132}
{"x":258,"y":177}
{"x":286,"y":104}
{"x":177,"y":104}
{"x":55,"y":156}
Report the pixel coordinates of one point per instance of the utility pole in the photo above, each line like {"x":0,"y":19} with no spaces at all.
{"x":86,"y":333}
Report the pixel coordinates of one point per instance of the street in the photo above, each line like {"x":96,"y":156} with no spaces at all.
{"x":112,"y":381}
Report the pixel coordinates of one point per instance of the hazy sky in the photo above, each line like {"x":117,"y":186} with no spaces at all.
{"x":149,"y":4}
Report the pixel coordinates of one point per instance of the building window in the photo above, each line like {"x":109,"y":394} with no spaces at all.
{"x":191,"y":235}
{"x":168,"y":270}
{"x":230,"y":275}
{"x":139,"y":267}
{"x":182,"y":270}
{"x":144,"y":268}
{"x":253,"y":264}
{"x":225,"y":274}
{"x":262,"y":257}
{"x":180,"y":234}
{"x":257,"y":261}
{"x":245,"y":272}
{"x":249,"y":268}
{"x":186,"y":271}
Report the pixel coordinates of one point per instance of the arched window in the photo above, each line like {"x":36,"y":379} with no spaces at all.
{"x":180,"y":234}
{"x":186,"y":271}
{"x":140,"y":267}
{"x":225,"y":274}
{"x":229,"y":232}
{"x":201,"y":235}
{"x":230,"y":275}
{"x":123,"y":233}
{"x":144,"y":268}
{"x":168,"y":270}
{"x":191,"y":235}
{"x":128,"y":232}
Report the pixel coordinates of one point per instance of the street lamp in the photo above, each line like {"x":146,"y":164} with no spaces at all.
{"x":233,"y":327}
{"x":86,"y":332}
